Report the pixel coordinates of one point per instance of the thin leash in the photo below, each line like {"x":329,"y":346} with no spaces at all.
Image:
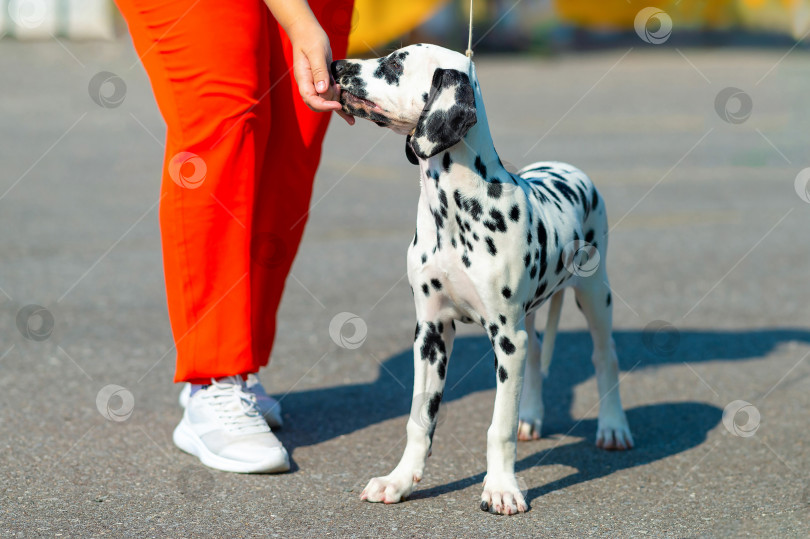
{"x":469,"y":52}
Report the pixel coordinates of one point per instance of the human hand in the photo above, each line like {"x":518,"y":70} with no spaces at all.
{"x":312,"y":56}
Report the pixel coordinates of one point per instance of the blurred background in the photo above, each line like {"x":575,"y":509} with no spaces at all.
{"x":530,"y":25}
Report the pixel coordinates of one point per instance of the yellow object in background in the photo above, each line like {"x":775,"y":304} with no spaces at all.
{"x":375,"y":23}
{"x":782,"y":16}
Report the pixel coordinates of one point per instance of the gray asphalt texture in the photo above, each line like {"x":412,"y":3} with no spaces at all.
{"x":708,"y":260}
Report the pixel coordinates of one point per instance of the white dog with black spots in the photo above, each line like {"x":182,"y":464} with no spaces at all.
{"x":490,"y":247}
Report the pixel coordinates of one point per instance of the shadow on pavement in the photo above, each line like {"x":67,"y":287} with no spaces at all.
{"x":660,"y":430}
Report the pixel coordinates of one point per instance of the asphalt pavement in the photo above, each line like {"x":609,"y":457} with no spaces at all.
{"x":708,"y":260}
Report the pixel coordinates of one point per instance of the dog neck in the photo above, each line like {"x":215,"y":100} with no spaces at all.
{"x":473,"y":166}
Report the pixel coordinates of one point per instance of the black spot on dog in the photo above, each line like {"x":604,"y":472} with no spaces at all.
{"x":459,"y":203}
{"x":541,"y":289}
{"x":529,"y":237}
{"x":441,"y":368}
{"x":433,"y":405}
{"x":424,"y":258}
{"x":417,"y":331}
{"x":527,"y":259}
{"x":502,"y":318}
{"x":506,"y":292}
{"x":453,"y":242}
{"x":497,"y":222}
{"x":425,"y":97}
{"x":494,"y":189}
{"x":425,"y":289}
{"x":480,"y":167}
{"x":609,"y":299}
{"x":560,"y":263}
{"x":589,"y":236}
{"x":491,"y":246}
{"x":506,"y":345}
{"x":532,"y":271}
{"x":543,"y":263}
{"x":493,"y":330}
{"x":432,"y":347}
{"x":446,"y":161}
{"x":465,"y":260}
{"x":475,"y":236}
{"x":415,"y":232}
{"x":390,"y":67}
{"x":435,"y":283}
{"x":502,"y":376}
{"x":514,"y":213}
{"x":569,"y":194}
{"x":475,"y":209}
{"x":594,"y":200}
{"x":542,"y":235}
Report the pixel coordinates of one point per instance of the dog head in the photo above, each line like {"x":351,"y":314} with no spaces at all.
{"x":422,"y":91}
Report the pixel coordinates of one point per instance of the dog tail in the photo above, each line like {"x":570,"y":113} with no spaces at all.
{"x":553,"y":321}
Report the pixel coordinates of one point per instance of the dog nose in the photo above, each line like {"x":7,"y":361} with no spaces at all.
{"x":336,"y":67}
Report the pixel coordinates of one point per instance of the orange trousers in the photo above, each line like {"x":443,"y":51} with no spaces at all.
{"x":242,"y":150}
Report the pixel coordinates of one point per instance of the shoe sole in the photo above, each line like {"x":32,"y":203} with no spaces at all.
{"x":185,"y":438}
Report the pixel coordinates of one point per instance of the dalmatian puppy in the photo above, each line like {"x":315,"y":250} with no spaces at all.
{"x":490,"y":247}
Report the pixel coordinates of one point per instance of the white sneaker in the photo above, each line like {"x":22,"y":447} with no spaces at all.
{"x":269,"y":407}
{"x":222,"y":426}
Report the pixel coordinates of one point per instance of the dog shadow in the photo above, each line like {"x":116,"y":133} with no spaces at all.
{"x":660,"y":430}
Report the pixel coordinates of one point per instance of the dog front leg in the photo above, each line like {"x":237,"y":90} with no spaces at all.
{"x":501,"y":491}
{"x":432,"y":346}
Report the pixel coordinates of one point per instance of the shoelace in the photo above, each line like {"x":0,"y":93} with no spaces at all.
{"x":236,"y":408}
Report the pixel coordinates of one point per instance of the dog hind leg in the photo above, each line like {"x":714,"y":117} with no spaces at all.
{"x":531,"y":397}
{"x":594,"y":298}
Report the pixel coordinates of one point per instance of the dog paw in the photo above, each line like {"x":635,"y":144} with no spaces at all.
{"x":388,"y":489}
{"x":614,"y":436}
{"x":529,"y":429}
{"x":502,"y":495}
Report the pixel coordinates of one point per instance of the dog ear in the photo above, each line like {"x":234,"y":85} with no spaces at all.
{"x":409,"y":152}
{"x":448,"y":114}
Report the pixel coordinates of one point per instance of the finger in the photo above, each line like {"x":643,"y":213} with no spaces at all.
{"x":320,"y":70}
{"x":318,"y":103}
